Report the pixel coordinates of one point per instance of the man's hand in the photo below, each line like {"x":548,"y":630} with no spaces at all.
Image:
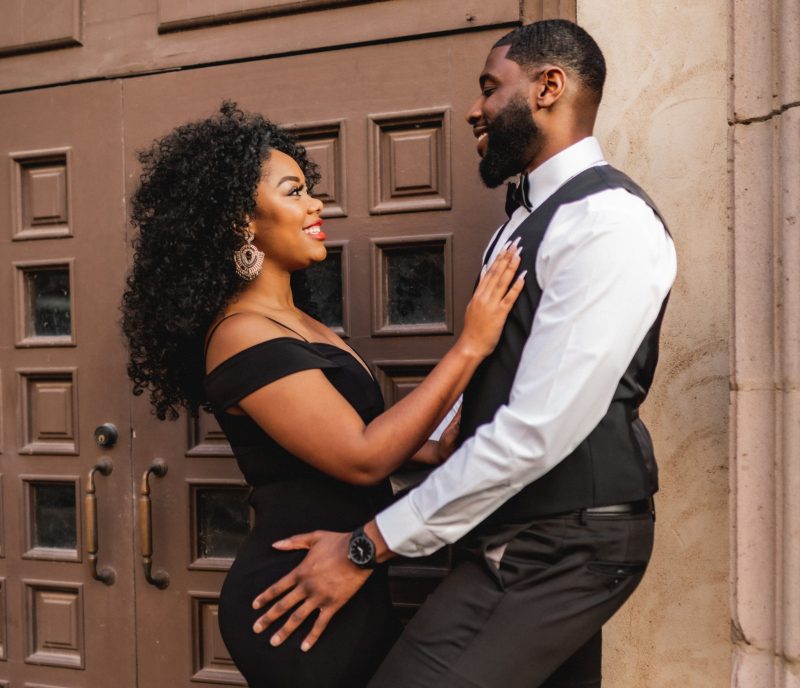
{"x":326,"y":579}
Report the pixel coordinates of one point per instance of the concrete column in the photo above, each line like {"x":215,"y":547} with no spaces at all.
{"x":664,"y":121}
{"x":765,"y":433}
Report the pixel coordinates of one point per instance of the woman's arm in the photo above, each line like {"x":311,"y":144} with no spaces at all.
{"x":308,"y":416}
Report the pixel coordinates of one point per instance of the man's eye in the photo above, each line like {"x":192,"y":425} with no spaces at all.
{"x":487,"y":92}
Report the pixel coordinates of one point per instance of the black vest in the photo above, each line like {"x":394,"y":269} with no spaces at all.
{"x":615,"y":463}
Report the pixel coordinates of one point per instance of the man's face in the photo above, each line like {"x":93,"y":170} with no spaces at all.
{"x":502,"y":120}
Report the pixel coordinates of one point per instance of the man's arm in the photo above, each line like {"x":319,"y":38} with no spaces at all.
{"x":604,"y":271}
{"x":604,"y":275}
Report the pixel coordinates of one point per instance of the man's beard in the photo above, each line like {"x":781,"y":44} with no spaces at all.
{"x":513,"y":135}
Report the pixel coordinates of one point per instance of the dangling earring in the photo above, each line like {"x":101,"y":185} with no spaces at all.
{"x":247,"y":258}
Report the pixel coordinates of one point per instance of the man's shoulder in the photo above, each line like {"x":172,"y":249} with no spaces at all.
{"x":610,"y":179}
{"x":614,"y":211}
{"x":609,"y":205}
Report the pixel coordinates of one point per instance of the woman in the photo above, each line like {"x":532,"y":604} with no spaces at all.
{"x":225,"y":216}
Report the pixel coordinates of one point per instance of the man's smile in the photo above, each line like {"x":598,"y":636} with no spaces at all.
{"x":483,"y":139}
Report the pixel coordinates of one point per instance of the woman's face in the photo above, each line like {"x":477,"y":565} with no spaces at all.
{"x":287,"y":224}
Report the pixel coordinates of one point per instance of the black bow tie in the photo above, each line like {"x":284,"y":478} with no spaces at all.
{"x":517,"y":195}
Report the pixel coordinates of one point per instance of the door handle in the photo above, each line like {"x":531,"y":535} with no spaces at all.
{"x":158,"y":578}
{"x":105,"y":575}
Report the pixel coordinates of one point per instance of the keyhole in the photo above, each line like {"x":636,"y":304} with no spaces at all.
{"x":105,"y":435}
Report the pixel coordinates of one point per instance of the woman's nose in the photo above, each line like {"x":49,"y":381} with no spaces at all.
{"x":315,"y":206}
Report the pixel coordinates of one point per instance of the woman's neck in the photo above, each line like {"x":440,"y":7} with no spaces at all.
{"x":270,"y":291}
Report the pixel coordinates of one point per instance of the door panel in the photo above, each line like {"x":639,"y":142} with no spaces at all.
{"x":63,"y":374}
{"x":199,"y":514}
{"x":407,"y":219}
{"x":87,"y":39}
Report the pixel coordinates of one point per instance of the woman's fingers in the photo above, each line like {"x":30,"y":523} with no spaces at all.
{"x":507,"y":270}
{"x":514,"y":290}
{"x":498,"y":276}
{"x":489,"y":270}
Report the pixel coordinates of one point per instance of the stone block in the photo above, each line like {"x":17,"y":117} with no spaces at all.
{"x":753,"y":255}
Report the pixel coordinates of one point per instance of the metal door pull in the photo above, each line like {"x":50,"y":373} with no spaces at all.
{"x":160,"y":578}
{"x":105,"y":575}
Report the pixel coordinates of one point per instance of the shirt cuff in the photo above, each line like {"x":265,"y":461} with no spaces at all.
{"x":405,"y":531}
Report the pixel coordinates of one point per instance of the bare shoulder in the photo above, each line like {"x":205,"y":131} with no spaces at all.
{"x":237,"y":333}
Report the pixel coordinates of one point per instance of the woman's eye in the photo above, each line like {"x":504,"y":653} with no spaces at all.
{"x":296,"y":191}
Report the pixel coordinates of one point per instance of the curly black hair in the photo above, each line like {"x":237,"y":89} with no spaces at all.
{"x":196,"y":191}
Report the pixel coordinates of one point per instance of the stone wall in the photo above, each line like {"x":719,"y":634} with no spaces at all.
{"x":665,"y":121}
{"x":765,"y":134}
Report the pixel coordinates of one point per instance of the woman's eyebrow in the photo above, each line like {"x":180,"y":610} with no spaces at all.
{"x":288,"y":179}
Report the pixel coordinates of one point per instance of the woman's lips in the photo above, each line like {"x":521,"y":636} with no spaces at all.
{"x":315,"y":231}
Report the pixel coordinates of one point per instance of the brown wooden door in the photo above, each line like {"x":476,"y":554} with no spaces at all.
{"x":62,"y":374}
{"x":406,"y":220}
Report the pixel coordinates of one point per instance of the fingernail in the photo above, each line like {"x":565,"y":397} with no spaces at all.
{"x":256,"y":604}
{"x":275,"y":640}
{"x":257,"y":628}
{"x":483,"y":270}
{"x":306,"y":646}
{"x":522,"y":275}
{"x":506,"y":245}
{"x":519,"y":251}
{"x":279,"y":543}
{"x":517,"y":240}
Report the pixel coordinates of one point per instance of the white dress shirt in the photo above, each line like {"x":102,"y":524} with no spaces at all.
{"x":605,"y":266}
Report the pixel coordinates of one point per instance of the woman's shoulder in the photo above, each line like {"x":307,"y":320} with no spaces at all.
{"x":250,"y":345}
{"x":241,"y":332}
{"x":251,"y":355}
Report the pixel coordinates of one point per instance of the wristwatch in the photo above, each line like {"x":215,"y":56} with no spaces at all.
{"x":361,"y":550}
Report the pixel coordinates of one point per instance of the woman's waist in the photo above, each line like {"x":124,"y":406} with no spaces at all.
{"x":317,"y":504}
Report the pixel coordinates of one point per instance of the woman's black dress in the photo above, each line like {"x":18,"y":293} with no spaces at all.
{"x":289,"y":497}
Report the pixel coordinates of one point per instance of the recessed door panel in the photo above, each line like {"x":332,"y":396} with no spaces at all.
{"x":63,"y":374}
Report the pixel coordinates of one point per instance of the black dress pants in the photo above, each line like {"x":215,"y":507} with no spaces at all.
{"x":532,"y":622}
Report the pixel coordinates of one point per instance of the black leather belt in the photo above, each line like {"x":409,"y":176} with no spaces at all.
{"x":643,"y":506}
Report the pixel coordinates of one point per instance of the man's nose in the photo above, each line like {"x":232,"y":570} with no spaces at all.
{"x":474,"y":113}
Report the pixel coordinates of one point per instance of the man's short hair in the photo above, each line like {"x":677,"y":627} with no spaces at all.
{"x":559,"y":42}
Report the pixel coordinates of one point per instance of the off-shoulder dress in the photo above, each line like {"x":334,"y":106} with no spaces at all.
{"x":290,"y":496}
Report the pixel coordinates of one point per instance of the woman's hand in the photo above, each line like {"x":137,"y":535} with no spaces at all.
{"x":435,"y":452}
{"x":447,"y":442}
{"x":491,"y":302}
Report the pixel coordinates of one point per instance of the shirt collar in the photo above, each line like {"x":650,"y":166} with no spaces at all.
{"x":546,"y":179}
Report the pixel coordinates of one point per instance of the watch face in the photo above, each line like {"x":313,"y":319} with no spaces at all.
{"x":362,"y":551}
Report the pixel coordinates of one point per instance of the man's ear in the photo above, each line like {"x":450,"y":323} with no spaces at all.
{"x":548,"y":87}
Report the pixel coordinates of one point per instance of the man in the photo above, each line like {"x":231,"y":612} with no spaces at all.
{"x":548,"y":497}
